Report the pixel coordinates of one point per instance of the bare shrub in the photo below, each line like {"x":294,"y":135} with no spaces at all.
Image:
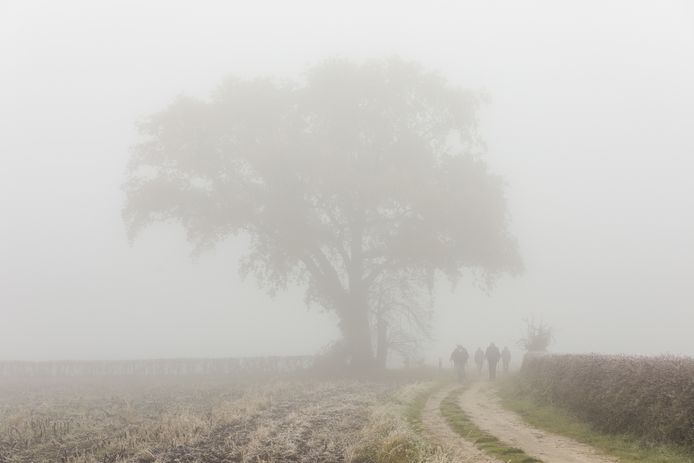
{"x":537,"y":337}
{"x":332,"y":360}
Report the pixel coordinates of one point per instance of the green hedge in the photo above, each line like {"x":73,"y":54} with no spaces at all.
{"x":648,"y":397}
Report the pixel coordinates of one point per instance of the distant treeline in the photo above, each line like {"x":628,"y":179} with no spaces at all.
{"x":651,"y":398}
{"x":171,"y":367}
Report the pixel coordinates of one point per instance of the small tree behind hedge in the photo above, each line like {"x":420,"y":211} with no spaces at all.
{"x":537,"y":338}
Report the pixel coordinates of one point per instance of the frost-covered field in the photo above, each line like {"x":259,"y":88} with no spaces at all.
{"x":184,"y":419}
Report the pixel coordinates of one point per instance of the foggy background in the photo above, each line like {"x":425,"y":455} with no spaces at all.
{"x":590,"y":122}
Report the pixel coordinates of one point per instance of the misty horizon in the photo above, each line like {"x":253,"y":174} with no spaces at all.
{"x":588,"y":121}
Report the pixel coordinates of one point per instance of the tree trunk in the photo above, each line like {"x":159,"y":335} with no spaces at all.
{"x":356,"y":332}
{"x":356,"y":328}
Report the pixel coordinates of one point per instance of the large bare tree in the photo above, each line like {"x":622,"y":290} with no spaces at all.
{"x":345,"y":181}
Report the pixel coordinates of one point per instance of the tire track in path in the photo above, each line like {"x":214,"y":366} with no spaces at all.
{"x":441,"y":434}
{"x":483,"y":407}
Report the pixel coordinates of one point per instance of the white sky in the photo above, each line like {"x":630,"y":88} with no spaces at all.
{"x":591,"y":123}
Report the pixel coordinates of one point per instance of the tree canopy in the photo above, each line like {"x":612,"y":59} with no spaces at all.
{"x":359,"y":182}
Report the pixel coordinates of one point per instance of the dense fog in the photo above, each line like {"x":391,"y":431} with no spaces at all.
{"x":589,"y":121}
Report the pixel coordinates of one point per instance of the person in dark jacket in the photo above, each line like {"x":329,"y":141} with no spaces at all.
{"x":492,"y":355}
{"x":505,"y":358}
{"x":459,"y":357}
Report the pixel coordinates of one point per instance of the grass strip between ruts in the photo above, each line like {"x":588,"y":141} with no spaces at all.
{"x":463,"y":426}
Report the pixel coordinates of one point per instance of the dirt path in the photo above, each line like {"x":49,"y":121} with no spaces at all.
{"x":482,"y":406}
{"x":441,"y":434}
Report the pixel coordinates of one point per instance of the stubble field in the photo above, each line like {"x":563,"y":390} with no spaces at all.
{"x":184,"y":419}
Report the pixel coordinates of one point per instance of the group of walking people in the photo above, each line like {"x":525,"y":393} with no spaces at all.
{"x":492,"y":355}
